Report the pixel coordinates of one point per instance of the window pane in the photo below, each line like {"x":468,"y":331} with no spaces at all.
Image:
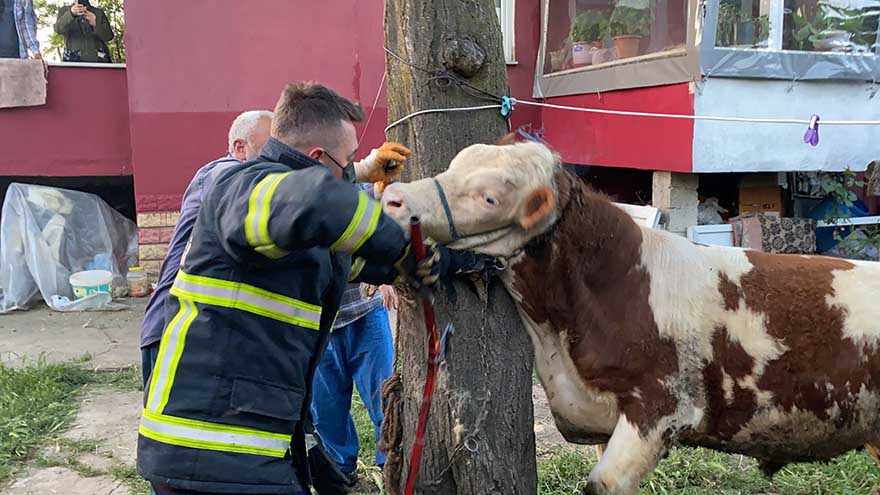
{"x":831,"y":25}
{"x":585,"y":33}
{"x":743,"y":23}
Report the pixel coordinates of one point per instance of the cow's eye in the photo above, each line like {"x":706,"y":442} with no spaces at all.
{"x":491,"y":200}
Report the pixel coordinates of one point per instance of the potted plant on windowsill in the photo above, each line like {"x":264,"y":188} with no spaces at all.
{"x":835,"y":29}
{"x":587,"y":30}
{"x":628,"y":27}
{"x":559,"y":57}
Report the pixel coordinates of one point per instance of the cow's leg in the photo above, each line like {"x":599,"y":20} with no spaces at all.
{"x":873,"y":448}
{"x":629,"y":456}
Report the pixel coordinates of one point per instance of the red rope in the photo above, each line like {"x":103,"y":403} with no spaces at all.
{"x":433,"y":364}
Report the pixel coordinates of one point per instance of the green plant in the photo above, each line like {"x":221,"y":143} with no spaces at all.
{"x":828,"y":19}
{"x":36,"y":401}
{"x":627,"y":21}
{"x":839,"y":187}
{"x":731,"y":18}
{"x":589,"y":26}
{"x":729,"y":14}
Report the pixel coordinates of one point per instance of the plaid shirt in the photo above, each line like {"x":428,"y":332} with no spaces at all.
{"x":354,"y":305}
{"x":26,"y":24}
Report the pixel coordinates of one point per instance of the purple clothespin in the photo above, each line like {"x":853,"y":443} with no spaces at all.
{"x":812,"y":135}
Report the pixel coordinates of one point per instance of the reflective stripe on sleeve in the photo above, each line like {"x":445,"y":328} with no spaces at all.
{"x":356,"y":268}
{"x":256,"y":223}
{"x":361,"y":227}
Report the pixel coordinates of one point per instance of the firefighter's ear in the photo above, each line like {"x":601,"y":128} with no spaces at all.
{"x":537,"y":206}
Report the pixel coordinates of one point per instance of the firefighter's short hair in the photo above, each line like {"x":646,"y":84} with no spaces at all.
{"x":306,"y":107}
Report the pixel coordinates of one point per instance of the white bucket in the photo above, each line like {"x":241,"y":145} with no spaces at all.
{"x":89,"y":282}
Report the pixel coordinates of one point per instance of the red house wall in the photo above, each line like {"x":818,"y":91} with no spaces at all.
{"x":81,"y":131}
{"x":192,"y":70}
{"x":624,"y":141}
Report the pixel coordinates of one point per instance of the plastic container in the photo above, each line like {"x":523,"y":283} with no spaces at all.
{"x":825,"y":237}
{"x":138,"y":283}
{"x":89,"y":282}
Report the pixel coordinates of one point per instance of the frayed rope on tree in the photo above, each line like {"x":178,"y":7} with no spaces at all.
{"x":391,"y":433}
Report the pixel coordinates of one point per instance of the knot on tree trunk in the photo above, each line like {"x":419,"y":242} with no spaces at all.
{"x":463,"y":56}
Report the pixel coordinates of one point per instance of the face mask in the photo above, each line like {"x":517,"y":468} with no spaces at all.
{"x":349,"y":174}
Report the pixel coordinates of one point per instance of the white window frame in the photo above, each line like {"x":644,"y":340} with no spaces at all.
{"x":508,"y":35}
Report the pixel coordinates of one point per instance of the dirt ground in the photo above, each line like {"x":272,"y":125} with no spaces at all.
{"x":109,"y":337}
{"x":104,"y":433}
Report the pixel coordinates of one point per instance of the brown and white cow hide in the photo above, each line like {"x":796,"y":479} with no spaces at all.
{"x":653,"y":340}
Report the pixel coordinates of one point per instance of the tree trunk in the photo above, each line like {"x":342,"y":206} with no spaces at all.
{"x":480,"y":436}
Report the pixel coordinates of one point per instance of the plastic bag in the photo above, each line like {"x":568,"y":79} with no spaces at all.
{"x":46,"y":234}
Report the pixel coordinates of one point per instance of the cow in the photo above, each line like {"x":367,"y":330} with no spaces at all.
{"x":644,"y":340}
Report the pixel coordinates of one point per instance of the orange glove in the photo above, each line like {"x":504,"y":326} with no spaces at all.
{"x":382,"y":164}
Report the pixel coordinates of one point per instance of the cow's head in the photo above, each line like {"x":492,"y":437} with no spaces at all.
{"x":497,"y":197}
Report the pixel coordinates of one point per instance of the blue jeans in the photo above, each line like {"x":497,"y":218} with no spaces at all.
{"x":362,"y":354}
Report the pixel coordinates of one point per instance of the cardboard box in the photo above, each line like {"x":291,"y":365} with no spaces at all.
{"x":765,"y":199}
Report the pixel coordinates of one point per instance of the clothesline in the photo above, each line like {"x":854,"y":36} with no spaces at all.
{"x":754,"y":120}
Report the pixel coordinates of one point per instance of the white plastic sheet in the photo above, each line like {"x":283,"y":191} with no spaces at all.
{"x":46,"y":234}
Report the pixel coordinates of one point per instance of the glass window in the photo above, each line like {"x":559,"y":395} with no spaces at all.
{"x":743,"y":24}
{"x":848,"y":26}
{"x":807,"y":25}
{"x":590,"y":34}
{"x":504,"y":9}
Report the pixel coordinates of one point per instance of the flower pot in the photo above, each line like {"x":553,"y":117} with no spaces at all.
{"x":833,"y":40}
{"x":627,"y":46}
{"x":580,"y":53}
{"x":745,"y":33}
{"x":557,"y":58}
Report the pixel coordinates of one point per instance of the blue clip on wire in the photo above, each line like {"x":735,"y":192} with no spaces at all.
{"x":507,"y":104}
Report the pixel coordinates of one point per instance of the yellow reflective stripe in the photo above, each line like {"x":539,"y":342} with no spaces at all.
{"x":272,"y":251}
{"x":207,"y":445}
{"x":256,"y":223}
{"x":170,"y":351}
{"x":237,"y":295}
{"x":217,"y":427}
{"x":212,"y":436}
{"x":251,"y":221}
{"x":356,"y":268}
{"x":355,"y":221}
{"x":371,"y":227}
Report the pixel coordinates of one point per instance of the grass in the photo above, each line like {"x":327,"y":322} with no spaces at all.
{"x":703,"y":472}
{"x":367,"y":438}
{"x":128,"y":475}
{"x":38,"y":402}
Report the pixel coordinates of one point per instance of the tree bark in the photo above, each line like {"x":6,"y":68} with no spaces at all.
{"x":480,"y":437}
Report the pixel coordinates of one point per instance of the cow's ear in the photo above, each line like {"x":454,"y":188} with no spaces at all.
{"x":537,"y":206}
{"x":509,"y":138}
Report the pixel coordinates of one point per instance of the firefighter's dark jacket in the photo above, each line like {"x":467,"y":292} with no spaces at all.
{"x":250,"y":314}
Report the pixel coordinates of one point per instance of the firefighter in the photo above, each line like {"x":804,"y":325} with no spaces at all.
{"x":274,"y":246}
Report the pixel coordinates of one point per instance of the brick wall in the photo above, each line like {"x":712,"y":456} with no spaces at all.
{"x":154,"y":233}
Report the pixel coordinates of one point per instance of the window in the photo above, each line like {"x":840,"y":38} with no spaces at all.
{"x":806,"y":25}
{"x":591,"y":34}
{"x":792,"y":39}
{"x":590,"y":46}
{"x":504,"y":9}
